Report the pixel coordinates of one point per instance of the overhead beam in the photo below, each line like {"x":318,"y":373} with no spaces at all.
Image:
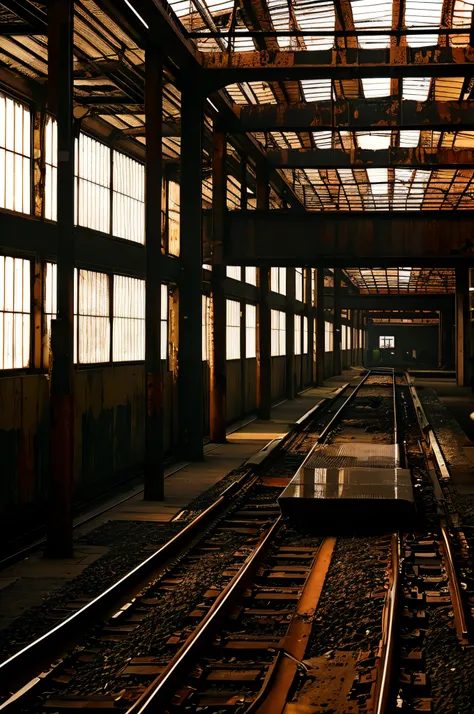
{"x":373,"y":239}
{"x":337,"y":63}
{"x":28,"y":12}
{"x":356,"y":114}
{"x":403,"y":301}
{"x":363,"y":158}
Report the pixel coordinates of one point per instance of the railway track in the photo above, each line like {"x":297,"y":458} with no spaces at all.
{"x":118,"y":613}
{"x":329,"y":621}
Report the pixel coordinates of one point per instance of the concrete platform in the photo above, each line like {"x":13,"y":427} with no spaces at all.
{"x":28,"y":583}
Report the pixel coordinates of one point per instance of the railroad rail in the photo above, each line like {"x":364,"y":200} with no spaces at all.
{"x":250,"y":637}
{"x":28,"y":669}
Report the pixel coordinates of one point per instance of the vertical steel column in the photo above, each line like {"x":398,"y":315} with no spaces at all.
{"x":263,"y":332}
{"x":190,"y":313}
{"x":320,"y":328}
{"x":218,"y":385}
{"x":60,"y":103}
{"x":463,"y":327}
{"x":308,"y":298}
{"x":290,"y":333}
{"x":154,"y":477}
{"x":243,"y":331}
{"x":337,"y":367}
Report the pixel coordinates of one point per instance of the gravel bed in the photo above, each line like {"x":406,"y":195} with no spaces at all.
{"x":127,"y":541}
{"x":446,"y":426}
{"x":348,"y":617}
{"x":449,"y":668}
{"x":101,"y":675}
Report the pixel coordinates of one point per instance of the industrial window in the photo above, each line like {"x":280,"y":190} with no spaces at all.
{"x":128,"y":319}
{"x":299,"y":284}
{"x":343,"y":338}
{"x":297,"y":334}
{"x":250,"y":331}
{"x":49,"y":307}
{"x":278,"y":333}
{"x":305,"y":335}
{"x":51,"y":166}
{"x":173,"y":217}
{"x":92,"y":184}
{"x":361,"y":339}
{"x":251,"y":275}
{"x":93,"y":323}
{"x":164,"y":322}
{"x":234,"y":271}
{"x":328,"y":336}
{"x":278,"y":280}
{"x":206,"y":321}
{"x":386,"y":342}
{"x":348,"y":337}
{"x":15,"y":312}
{"x":128,"y":198}
{"x":233,"y":330}
{"x":15,"y":156}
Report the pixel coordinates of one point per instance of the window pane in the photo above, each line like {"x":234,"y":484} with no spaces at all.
{"x":128,"y":198}
{"x":15,"y":312}
{"x":232,"y":329}
{"x":93,"y":317}
{"x":15,"y":161}
{"x":250,"y":331}
{"x":93,"y":175}
{"x":129,"y":319}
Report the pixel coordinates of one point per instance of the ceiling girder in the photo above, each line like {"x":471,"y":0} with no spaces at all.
{"x":394,"y":156}
{"x":357,"y":114}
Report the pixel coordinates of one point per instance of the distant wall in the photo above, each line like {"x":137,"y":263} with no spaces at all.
{"x":421,"y":338}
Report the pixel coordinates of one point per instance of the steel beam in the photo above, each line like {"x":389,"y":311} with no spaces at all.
{"x":60,"y":102}
{"x":154,"y":475}
{"x":320,"y":327}
{"x":264,"y":374}
{"x":336,"y":354}
{"x":424,"y":238}
{"x":356,"y":114}
{"x":218,"y":381}
{"x":224,"y":68}
{"x":190,"y":297}
{"x":29,"y":13}
{"x":395,"y":156}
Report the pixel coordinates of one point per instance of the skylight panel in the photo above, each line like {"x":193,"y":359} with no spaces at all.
{"x":379,"y":185}
{"x":182,"y":7}
{"x":374,"y":140}
{"x":280,"y":16}
{"x":376,"y":87}
{"x":316,"y":90}
{"x":409,"y":138}
{"x":323,"y":139}
{"x":401,"y":188}
{"x":316,"y":16}
{"x":416,"y":88}
{"x":370,"y":15}
{"x":462,"y":16}
{"x":426,"y":14}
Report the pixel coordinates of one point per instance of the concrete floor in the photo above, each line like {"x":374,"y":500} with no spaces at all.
{"x":29,"y":582}
{"x":459,"y":400}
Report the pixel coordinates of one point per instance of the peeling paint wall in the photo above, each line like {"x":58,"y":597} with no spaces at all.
{"x":278,"y":378}
{"x":24,"y":445}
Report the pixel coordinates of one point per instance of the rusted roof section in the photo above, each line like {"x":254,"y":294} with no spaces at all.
{"x":396,"y":281}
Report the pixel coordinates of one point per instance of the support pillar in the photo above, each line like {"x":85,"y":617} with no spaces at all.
{"x":337,"y":322}
{"x":218,"y":385}
{"x":440,"y":338}
{"x":290,"y":333}
{"x":60,"y":103}
{"x":154,"y":476}
{"x":243,"y":308}
{"x":308,"y":311}
{"x":263,"y":331}
{"x":190,"y":313}
{"x":463,"y":328}
{"x":448,"y":338}
{"x":320,"y":328}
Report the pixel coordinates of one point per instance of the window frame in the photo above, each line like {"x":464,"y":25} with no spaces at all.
{"x":385,"y":346}
{"x":30,"y":367}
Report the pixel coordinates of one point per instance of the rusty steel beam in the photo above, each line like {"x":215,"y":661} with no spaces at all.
{"x":356,"y":114}
{"x":372,"y":239}
{"x":223,"y":68}
{"x":361,"y":158}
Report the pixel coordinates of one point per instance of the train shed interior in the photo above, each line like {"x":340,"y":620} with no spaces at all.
{"x":215,"y":215}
